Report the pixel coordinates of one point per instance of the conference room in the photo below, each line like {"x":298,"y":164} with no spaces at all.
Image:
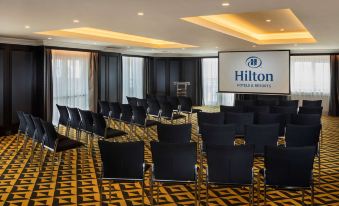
{"x":145,"y":102}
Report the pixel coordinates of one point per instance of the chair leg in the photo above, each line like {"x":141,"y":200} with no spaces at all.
{"x":319,"y":169}
{"x":207,"y":187}
{"x":110,"y":192}
{"x":41,"y":155}
{"x":312,"y":195}
{"x":196,"y":194}
{"x":258,"y":189}
{"x":252,"y":197}
{"x":52,"y":168}
{"x":303,"y":196}
{"x":158,"y":189}
{"x":264,"y":194}
{"x":143,"y":192}
{"x":32,"y":151}
{"x":17,"y":141}
{"x":151,"y":191}
{"x":100,"y":190}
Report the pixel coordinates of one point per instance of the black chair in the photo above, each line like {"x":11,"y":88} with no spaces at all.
{"x":140,"y":119}
{"x":244,"y":103}
{"x":126,"y":114}
{"x":306,"y":119}
{"x":179,"y":133}
{"x":132,"y":101}
{"x":101,"y":130}
{"x":240,"y":120}
{"x":186,"y":107}
{"x":153,"y":108}
{"x":57,"y":143}
{"x":86,"y":123}
{"x":74,"y":121}
{"x":288,"y":111}
{"x":174,"y":163}
{"x":288,"y":168}
{"x":63,"y":118}
{"x":104,"y":108}
{"x":38,"y":135}
{"x":30,"y":131}
{"x":302,"y":136}
{"x":257,"y":109}
{"x":142,"y":103}
{"x":267,"y":102}
{"x":221,"y":134}
{"x":230,"y":166}
{"x":122,"y":162}
{"x":225,"y":109}
{"x":289,"y":103}
{"x":161,"y":99}
{"x":210,"y":118}
{"x":272,"y":118}
{"x":22,"y":127}
{"x":310,"y":110}
{"x":174,"y":101}
{"x":261,"y":136}
{"x":115,"y":111}
{"x":167,"y":113}
{"x":312,"y":103}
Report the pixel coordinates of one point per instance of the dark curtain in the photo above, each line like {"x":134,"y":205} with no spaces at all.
{"x":148,"y":76}
{"x":93,"y":81}
{"x":334,"y":98}
{"x":198,"y":77}
{"x":48,"y":85}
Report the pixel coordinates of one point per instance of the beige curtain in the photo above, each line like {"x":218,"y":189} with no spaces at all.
{"x":93,"y":81}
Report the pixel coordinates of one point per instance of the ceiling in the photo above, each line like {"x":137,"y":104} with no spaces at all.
{"x":162,"y":20}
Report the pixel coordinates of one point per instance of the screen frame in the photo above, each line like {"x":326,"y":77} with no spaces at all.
{"x":260,"y":93}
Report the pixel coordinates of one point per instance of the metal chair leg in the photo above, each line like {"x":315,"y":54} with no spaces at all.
{"x":207,"y":187}
{"x":158,"y":188}
{"x":258,"y":189}
{"x":195,"y":193}
{"x":264,"y":194}
{"x":53,"y":158}
{"x":319,"y":169}
{"x":151,"y":191}
{"x":17,"y":141}
{"x":303,"y":196}
{"x":110,"y":192}
{"x":312,"y":195}
{"x":100,"y":190}
{"x":143,"y":192}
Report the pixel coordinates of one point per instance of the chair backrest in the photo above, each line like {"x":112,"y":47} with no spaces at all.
{"x":210,"y":118}
{"x":178,"y":133}
{"x":312,"y":103}
{"x":244,"y":103}
{"x":64,"y":116}
{"x":30,"y":125}
{"x":126,"y":112}
{"x":122,"y":160}
{"x":185,"y":104}
{"x":139,"y":115}
{"x":173,"y":100}
{"x":74,"y":120}
{"x":39,"y":129}
{"x":86,"y":120}
{"x":240,"y":120}
{"x":22,"y":122}
{"x":99,"y":124}
{"x":104,"y":108}
{"x":288,"y":111}
{"x":225,"y":109}
{"x":230,"y":164}
{"x":261,"y":135}
{"x":306,"y":119}
{"x":142,"y":103}
{"x":310,"y":110}
{"x":132,"y":101}
{"x":289,"y":103}
{"x":161,"y":99}
{"x":302,"y":135}
{"x":221,"y":134}
{"x":115,"y":110}
{"x":271,"y":118}
{"x":166,"y":109}
{"x":256,"y":109}
{"x":153,"y":106}
{"x":289,"y":166}
{"x":266,"y":102}
{"x":174,"y":161}
{"x":50,"y":134}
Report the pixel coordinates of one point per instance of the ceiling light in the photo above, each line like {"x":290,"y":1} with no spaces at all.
{"x":254,"y":45}
{"x":225,"y":4}
{"x":140,"y":13}
{"x":295,"y":44}
{"x":183,"y":48}
{"x":268,"y":20}
{"x":49,"y":38}
{"x":217,"y":47}
{"x":76,"y":21}
{"x":282,"y":29}
{"x":27,"y":27}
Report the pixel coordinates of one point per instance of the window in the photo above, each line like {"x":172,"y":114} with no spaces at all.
{"x":132,"y":77}
{"x":70,"y":71}
{"x":210,"y":84}
{"x":310,"y":78}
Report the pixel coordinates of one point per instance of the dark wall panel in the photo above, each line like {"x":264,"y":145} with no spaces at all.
{"x":188,"y":74}
{"x":160,"y":76}
{"x":174,"y":76}
{"x":22,"y":82}
{"x":2,"y":66}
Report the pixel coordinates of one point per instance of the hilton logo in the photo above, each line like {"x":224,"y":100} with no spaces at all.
{"x":253,"y":62}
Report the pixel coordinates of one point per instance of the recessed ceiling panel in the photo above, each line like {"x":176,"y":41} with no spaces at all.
{"x":116,"y":38}
{"x":279,"y":26}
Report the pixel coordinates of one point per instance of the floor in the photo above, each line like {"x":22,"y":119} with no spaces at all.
{"x":73,"y":181}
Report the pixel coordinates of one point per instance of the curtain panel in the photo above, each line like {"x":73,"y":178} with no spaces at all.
{"x":334,"y":94}
{"x":48,"y":85}
{"x":93,"y":81}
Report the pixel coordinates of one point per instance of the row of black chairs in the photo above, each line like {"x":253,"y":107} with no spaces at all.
{"x":284,"y":167}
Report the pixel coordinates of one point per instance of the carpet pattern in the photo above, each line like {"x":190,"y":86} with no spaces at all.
{"x":73,"y":180}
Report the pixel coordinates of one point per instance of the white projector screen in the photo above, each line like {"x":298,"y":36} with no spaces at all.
{"x":263,"y":72}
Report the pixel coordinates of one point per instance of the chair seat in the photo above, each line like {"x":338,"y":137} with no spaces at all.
{"x":150,"y":123}
{"x":111,"y":133}
{"x":175,"y":116}
{"x":193,"y":111}
{"x":66,"y":143}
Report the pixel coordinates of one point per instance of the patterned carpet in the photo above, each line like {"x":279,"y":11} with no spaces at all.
{"x":73,"y":181}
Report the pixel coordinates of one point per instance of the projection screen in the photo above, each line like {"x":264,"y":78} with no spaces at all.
{"x":262,"y":72}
